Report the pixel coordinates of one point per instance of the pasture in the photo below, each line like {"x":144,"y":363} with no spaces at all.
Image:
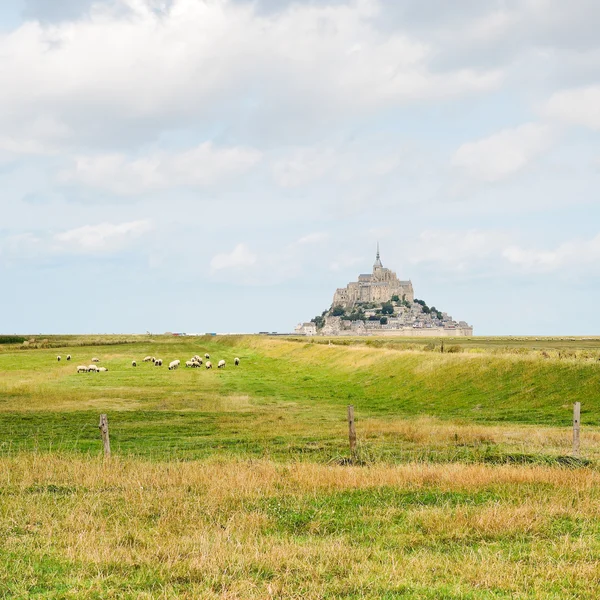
{"x":237,"y":483}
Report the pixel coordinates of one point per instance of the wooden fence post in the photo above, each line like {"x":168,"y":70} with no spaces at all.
{"x":351,"y":432}
{"x":103,"y":426}
{"x":576,"y":423}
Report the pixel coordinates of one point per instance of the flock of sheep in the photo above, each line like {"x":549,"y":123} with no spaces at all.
{"x":194,"y":362}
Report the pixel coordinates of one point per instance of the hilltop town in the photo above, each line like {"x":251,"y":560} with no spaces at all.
{"x":381,"y":304}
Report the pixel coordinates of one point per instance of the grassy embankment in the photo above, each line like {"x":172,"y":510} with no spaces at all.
{"x":226,"y":483}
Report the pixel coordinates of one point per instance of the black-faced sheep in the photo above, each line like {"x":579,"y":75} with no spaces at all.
{"x":82,"y":369}
{"x":221,"y":364}
{"x":58,"y":358}
{"x":148,"y":359}
{"x":68,"y":357}
{"x":207,"y":356}
{"x":208,"y":364}
{"x":236,"y":361}
{"x":133,"y":363}
{"x":95,"y":359}
{"x":174,"y":364}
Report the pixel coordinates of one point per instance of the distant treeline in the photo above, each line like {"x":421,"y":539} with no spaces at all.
{"x":11,"y":339}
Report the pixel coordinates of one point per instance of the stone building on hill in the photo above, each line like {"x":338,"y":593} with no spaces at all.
{"x":378,"y":286}
{"x":381,"y":304}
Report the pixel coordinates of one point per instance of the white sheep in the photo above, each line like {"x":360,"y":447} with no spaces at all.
{"x":221,"y":364}
{"x":190,"y":363}
{"x":133,"y":363}
{"x":174,"y":364}
{"x":153,"y":359}
{"x":58,"y":358}
{"x":68,"y":357}
{"x":148,"y":359}
{"x":208,"y":364}
{"x":102,"y":369}
{"x":158,"y":362}
{"x":92,"y":369}
{"x":207,"y":356}
{"x":82,"y":369}
{"x":236,"y":361}
{"x":95,"y":359}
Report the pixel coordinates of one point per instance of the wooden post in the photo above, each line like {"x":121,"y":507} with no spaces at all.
{"x":351,"y":432}
{"x":103,"y":426}
{"x":576,"y":423}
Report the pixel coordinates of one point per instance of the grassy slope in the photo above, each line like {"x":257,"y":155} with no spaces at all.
{"x":262,"y":514}
{"x":286,"y":399}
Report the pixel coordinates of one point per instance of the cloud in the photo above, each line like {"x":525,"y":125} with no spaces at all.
{"x":100,"y":239}
{"x":577,"y":106}
{"x":201,"y":166}
{"x":239,"y":257}
{"x":313,"y":238}
{"x":184,"y":66}
{"x":572,"y":254}
{"x":503,"y":154}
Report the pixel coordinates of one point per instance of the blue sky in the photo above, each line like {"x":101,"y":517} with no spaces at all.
{"x":224,"y":165}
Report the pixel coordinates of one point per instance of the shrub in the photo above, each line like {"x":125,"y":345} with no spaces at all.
{"x":11,"y":339}
{"x":338,"y":311}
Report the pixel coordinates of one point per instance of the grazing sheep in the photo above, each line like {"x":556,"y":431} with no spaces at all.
{"x":82,"y":369}
{"x":102,"y":369}
{"x":190,"y":363}
{"x":236,"y":361}
{"x":174,"y":364}
{"x":158,"y":362}
{"x":208,"y":364}
{"x":133,"y":363}
{"x":148,"y":359}
{"x":153,"y":359}
{"x":92,"y":369}
{"x":207,"y":356}
{"x":68,"y":357}
{"x":221,"y":364}
{"x":95,"y":359}
{"x":58,"y":358}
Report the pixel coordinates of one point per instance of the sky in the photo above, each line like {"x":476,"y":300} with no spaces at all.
{"x":225,"y":165}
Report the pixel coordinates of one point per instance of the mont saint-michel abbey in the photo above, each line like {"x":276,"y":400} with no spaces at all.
{"x":381,"y":304}
{"x":379,"y":286}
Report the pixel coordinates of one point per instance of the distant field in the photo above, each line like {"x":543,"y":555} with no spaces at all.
{"x":235,"y":483}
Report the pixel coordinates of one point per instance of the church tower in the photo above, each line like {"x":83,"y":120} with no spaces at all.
{"x":377,"y":265}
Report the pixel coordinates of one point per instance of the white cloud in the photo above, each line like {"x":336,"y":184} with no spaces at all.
{"x":313,"y":238}
{"x":577,"y":106}
{"x":571,"y":254}
{"x":101,"y":238}
{"x":504,"y":153}
{"x":202,"y":166}
{"x":185,"y":65}
{"x":239,"y":257}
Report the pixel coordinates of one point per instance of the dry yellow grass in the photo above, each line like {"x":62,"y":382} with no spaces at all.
{"x":219,"y":529}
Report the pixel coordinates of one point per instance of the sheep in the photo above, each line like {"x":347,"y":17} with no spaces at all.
{"x":82,"y":369}
{"x":133,"y":363}
{"x":207,"y":356}
{"x":221,"y":364}
{"x":197,"y":358}
{"x":148,"y":359}
{"x":174,"y":364}
{"x":208,"y":364}
{"x":102,"y":369}
{"x":92,"y":369}
{"x":153,"y":359}
{"x":236,"y":361}
{"x":95,"y":359}
{"x":58,"y":358}
{"x":190,"y":363}
{"x":68,"y":357}
{"x":158,"y":362}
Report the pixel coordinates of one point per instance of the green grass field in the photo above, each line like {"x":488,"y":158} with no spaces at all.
{"x":237,"y":483}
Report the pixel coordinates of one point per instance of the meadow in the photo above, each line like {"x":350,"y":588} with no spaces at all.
{"x":238,"y":483}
